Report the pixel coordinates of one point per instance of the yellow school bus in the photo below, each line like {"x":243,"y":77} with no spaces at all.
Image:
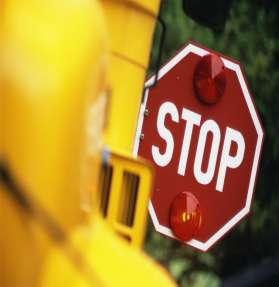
{"x":73,"y":199}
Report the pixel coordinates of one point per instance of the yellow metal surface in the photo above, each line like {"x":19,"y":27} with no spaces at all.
{"x":130,"y":185}
{"x":53,"y":80}
{"x":53,"y":57}
{"x":131,"y":25}
{"x":108,"y":261}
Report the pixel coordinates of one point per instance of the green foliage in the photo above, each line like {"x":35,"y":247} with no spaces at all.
{"x":251,"y":37}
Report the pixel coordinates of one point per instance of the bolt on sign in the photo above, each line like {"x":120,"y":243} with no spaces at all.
{"x":200,"y":128}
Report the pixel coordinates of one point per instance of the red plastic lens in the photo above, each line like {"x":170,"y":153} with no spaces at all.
{"x":210,"y":79}
{"x":185,"y":216}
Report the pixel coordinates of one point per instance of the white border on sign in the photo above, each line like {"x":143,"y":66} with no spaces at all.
{"x":242,"y":213}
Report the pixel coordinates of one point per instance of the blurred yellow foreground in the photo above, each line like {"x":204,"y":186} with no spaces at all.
{"x":73,"y":200}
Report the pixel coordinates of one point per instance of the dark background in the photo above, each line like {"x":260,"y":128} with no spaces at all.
{"x":249,"y":255}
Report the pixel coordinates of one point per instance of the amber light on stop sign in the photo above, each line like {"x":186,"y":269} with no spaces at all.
{"x":210,"y":79}
{"x":185,"y":216}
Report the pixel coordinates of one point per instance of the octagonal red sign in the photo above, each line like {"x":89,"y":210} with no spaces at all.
{"x":200,"y":128}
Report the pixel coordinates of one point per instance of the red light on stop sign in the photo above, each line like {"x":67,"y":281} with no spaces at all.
{"x":185,"y":216}
{"x":210,"y":79}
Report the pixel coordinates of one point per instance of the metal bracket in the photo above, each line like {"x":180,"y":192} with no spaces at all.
{"x":160,"y":53}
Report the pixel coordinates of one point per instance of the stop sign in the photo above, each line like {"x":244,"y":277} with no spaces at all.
{"x":204,"y":138}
